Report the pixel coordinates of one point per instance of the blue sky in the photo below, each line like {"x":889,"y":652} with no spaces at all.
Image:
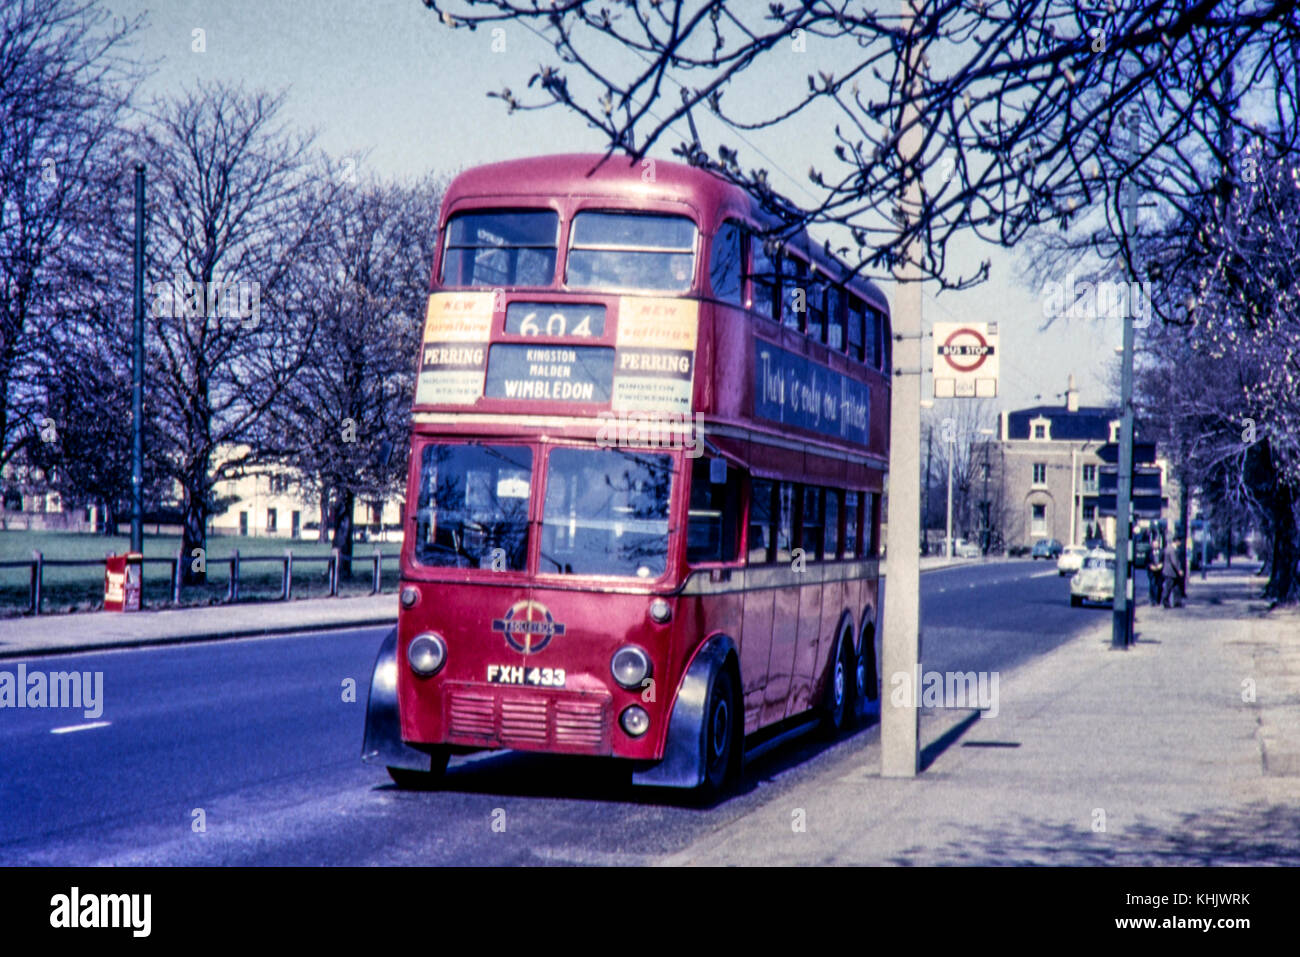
{"x":383,"y":79}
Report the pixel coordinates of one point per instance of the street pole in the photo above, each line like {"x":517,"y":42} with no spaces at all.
{"x":137,"y":374}
{"x":901,"y":650}
{"x":1121,"y":621}
{"x":925,"y":509}
{"x":1074,"y":501}
{"x":952,"y":450}
{"x":987,"y":526}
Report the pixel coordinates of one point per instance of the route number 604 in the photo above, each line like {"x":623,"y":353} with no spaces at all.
{"x":556,"y":324}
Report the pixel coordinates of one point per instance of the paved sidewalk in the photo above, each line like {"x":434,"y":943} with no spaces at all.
{"x":92,"y":631}
{"x":1183,"y":750}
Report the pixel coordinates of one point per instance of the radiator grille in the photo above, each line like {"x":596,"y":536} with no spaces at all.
{"x":533,"y":720}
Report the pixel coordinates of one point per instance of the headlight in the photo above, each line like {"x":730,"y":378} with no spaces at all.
{"x":426,"y":654}
{"x":635,"y":721}
{"x":630,"y":666}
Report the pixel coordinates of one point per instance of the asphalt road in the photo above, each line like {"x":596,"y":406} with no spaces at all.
{"x":246,"y":752}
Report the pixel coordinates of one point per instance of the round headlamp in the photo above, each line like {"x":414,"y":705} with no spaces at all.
{"x":426,"y":654}
{"x":630,"y":666}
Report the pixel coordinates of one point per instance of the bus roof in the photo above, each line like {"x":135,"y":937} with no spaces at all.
{"x":635,"y":184}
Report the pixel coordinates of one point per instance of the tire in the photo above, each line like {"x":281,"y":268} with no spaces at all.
{"x":865,"y":687}
{"x":720,"y":741}
{"x":1076,"y":601}
{"x":838,"y":709}
{"x":410,"y":780}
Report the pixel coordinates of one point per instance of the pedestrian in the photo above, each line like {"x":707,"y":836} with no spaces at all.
{"x":1173,"y":572}
{"x":1155,"y":573}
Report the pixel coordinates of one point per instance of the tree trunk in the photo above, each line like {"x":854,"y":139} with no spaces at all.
{"x":345,"y":504}
{"x":1282,"y":586}
{"x":324,"y":535}
{"x":194,"y":536}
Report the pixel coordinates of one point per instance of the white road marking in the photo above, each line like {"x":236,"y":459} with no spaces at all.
{"x":1044,"y":574}
{"x":80,"y":727}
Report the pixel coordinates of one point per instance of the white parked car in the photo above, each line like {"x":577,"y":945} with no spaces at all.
{"x":1071,"y":559}
{"x":964,"y":549}
{"x":1095,"y":581}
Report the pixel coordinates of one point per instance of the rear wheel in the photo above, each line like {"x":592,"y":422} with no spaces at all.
{"x":1076,"y":601}
{"x":412,"y":780}
{"x":721,"y":719}
{"x":841,"y":687}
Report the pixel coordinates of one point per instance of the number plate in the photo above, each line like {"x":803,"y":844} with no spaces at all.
{"x":522,"y":675}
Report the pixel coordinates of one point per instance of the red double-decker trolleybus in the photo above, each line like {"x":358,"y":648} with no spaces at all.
{"x":648,"y":448}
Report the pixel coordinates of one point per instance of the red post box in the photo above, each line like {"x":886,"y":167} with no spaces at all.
{"x":123,"y":575}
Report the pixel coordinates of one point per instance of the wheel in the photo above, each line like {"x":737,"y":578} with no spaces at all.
{"x":1062,"y":574}
{"x":865,"y":687}
{"x":410,"y":780}
{"x":840,"y":689}
{"x":720,"y":719}
{"x":1076,"y":601}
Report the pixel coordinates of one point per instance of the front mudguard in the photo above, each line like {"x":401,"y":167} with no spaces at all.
{"x":682,"y":765}
{"x":383,"y":741}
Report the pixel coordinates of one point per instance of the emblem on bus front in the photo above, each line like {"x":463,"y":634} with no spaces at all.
{"x":528,"y":626}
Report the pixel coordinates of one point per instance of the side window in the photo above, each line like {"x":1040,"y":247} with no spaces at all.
{"x":785,"y":524}
{"x":725,"y":272}
{"x":713,"y":526}
{"x":761,"y":545}
{"x":851,"y":524}
{"x":873,"y":338}
{"x":832,"y":523}
{"x":886,"y":345}
{"x":817,"y":309}
{"x":813,"y":521}
{"x":869,"y":522}
{"x":794,"y":292}
{"x":835,"y":318}
{"x":762,"y":278}
{"x":857,"y":319}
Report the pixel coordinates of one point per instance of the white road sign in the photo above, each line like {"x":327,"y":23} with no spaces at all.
{"x":965,"y":360}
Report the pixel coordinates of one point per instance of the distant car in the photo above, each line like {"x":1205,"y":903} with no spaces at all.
{"x":1048,"y":548}
{"x":964,"y":549}
{"x":1071,"y":560}
{"x":1095,"y":581}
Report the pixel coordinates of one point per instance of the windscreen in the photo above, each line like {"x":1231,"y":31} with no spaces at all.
{"x":473,"y":506}
{"x":606,"y":513}
{"x":631,"y":251}
{"x":501,"y":248}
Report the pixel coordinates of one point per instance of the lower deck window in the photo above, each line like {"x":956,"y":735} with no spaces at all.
{"x":473,"y":506}
{"x":606,"y":513}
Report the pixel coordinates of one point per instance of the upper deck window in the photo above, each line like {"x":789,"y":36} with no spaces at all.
{"x":501,"y":248}
{"x":631,"y":251}
{"x":726,"y":262}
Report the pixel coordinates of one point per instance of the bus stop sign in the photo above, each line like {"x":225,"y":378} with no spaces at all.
{"x":965,"y":360}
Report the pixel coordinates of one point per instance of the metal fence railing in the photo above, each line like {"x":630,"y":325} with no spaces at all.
{"x":334,"y":561}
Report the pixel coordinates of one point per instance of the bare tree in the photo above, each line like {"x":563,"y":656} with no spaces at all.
{"x":231,"y":318}
{"x":344,"y":424}
{"x":1016,"y":102}
{"x":1223,"y":388}
{"x":64,"y":87}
